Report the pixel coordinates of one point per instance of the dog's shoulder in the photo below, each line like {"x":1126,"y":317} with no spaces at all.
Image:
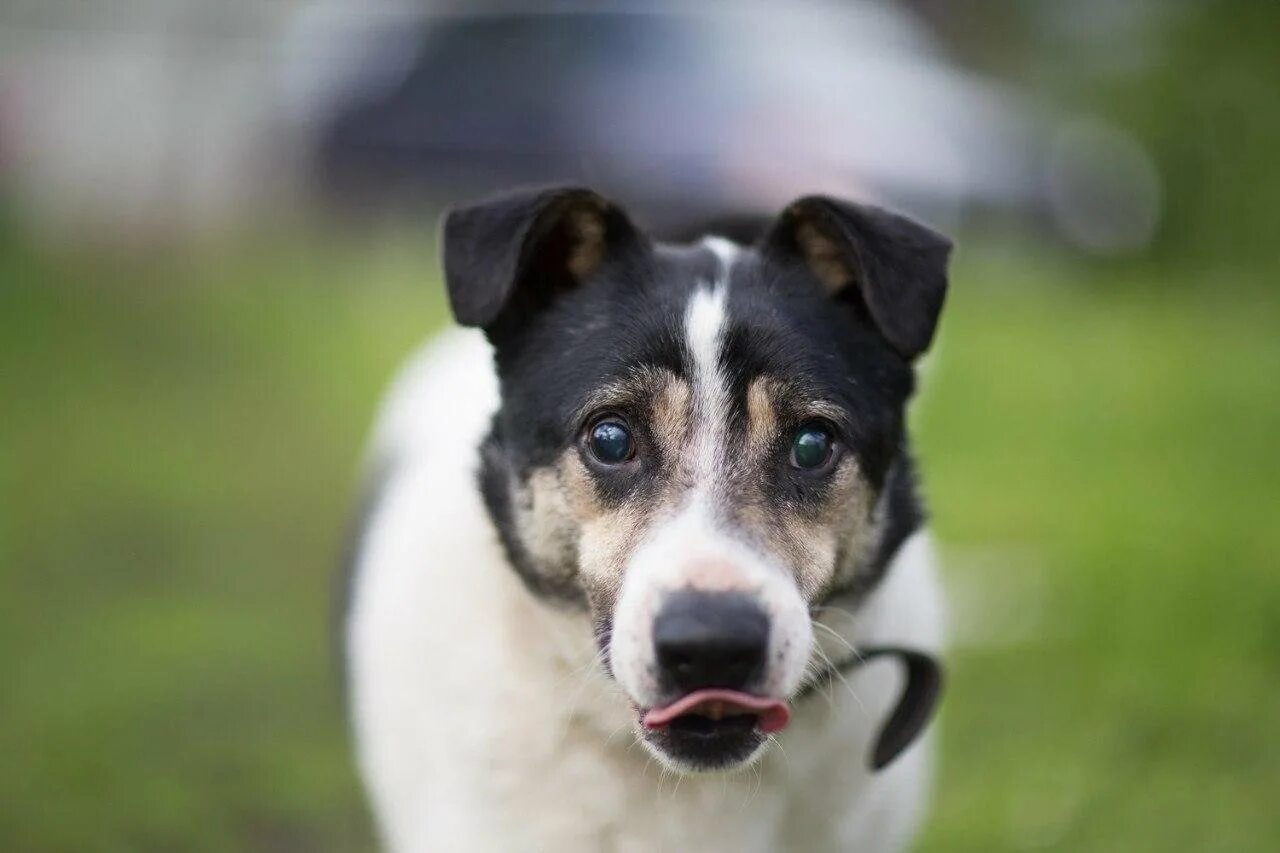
{"x":432,"y":417}
{"x":443,"y":396}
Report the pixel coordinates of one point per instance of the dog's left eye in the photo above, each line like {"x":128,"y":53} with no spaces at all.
{"x":812,"y":446}
{"x":610,"y":441}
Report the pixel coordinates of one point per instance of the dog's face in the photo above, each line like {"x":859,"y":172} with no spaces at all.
{"x":695,"y":443}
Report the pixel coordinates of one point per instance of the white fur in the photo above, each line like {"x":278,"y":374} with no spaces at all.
{"x":484,"y":721}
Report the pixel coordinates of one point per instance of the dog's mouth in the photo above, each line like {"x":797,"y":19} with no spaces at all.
{"x":710,"y":712}
{"x":713,"y":729}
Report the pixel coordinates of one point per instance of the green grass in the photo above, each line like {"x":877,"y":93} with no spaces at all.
{"x":1102,"y":463}
{"x":178,"y":444}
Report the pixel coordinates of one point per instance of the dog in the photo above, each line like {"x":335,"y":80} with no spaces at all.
{"x":642,"y":564}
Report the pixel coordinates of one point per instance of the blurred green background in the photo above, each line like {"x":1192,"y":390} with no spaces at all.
{"x":180,"y":426}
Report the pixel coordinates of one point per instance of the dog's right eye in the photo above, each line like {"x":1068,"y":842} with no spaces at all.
{"x":610,"y":441}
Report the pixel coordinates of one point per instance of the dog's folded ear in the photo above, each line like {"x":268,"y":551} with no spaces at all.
{"x":893,"y":266}
{"x":513,"y":253}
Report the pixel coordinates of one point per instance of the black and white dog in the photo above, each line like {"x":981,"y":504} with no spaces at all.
{"x":662,"y":508}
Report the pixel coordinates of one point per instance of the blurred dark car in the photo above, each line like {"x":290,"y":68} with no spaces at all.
{"x":695,"y":114}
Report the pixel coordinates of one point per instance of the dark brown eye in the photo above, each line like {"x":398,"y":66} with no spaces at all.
{"x":610,"y":441}
{"x":812,"y":446}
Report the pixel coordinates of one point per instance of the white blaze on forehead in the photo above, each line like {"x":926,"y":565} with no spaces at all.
{"x":704,"y":334}
{"x":705,"y":321}
{"x":705,"y":316}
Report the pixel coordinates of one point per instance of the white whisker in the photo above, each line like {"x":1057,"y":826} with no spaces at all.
{"x":835,"y":671}
{"x":836,"y":634}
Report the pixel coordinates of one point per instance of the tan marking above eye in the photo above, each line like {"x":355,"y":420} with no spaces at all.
{"x":771,"y":401}
{"x":762,"y":414}
{"x":635,"y":391}
{"x":669,"y":417}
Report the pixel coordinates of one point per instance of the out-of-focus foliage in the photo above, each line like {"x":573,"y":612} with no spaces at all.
{"x":1098,"y":458}
{"x":1194,"y":82}
{"x":177,"y":459}
{"x":1206,"y":106}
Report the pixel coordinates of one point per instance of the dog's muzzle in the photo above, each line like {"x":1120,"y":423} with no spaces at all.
{"x":711,"y":650}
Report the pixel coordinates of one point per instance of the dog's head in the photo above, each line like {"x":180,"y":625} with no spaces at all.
{"x":697,"y":443}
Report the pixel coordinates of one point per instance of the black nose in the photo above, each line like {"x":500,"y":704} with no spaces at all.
{"x":711,"y":639}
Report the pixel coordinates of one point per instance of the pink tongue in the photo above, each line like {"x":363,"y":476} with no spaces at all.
{"x":774,"y":714}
